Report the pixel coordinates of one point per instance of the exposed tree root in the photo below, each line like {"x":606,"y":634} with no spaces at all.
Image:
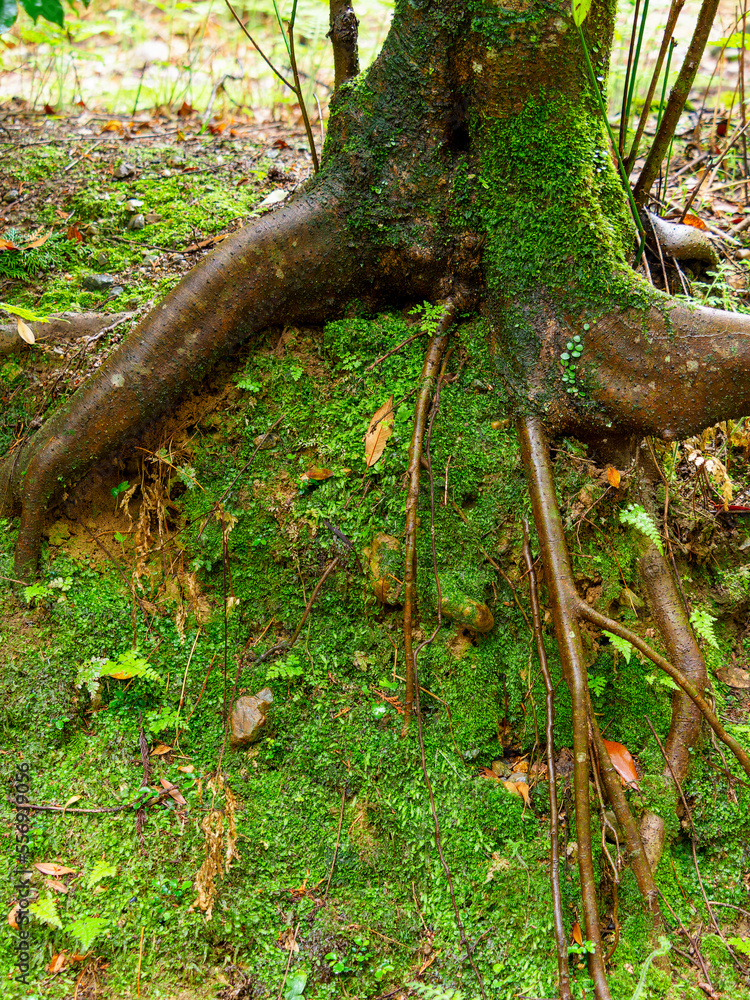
{"x":561,"y":940}
{"x":590,"y":614}
{"x":427,"y":382}
{"x":562,"y":598}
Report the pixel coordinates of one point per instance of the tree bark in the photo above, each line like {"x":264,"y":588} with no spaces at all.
{"x":343,"y":34}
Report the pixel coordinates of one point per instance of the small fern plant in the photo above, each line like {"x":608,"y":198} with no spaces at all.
{"x":703,"y":623}
{"x":127,"y":665}
{"x":636,"y":517}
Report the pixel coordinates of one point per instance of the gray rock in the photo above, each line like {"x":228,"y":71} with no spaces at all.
{"x":137,"y":222}
{"x":98,"y":282}
{"x":133,"y":204}
{"x":116,"y":291}
{"x":249,"y":716}
{"x":124,"y":170}
{"x":10,"y":196}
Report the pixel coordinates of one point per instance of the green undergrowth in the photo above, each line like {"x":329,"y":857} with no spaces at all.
{"x":184,"y":197}
{"x":332,"y":779}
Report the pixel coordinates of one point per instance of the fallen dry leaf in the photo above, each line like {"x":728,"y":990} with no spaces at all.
{"x":380,"y":429}
{"x":693,"y":220}
{"x":159,"y":750}
{"x":487,"y":772}
{"x":576,"y":933}
{"x":12,"y":914}
{"x":25,"y":332}
{"x":57,"y":964}
{"x":7,"y":245}
{"x":523,"y":789}
{"x":52,"y":868}
{"x":734,"y":676}
{"x":186,"y":768}
{"x":173,"y":791}
{"x":319,"y":475}
{"x":56,"y":884}
{"x":512,"y":787}
{"x":622,"y":761}
{"x":613,"y":477}
{"x":39,"y":242}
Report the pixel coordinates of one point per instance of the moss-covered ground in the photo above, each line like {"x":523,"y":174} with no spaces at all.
{"x":211,"y":561}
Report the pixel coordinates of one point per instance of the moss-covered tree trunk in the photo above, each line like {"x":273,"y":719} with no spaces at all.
{"x":468,"y":165}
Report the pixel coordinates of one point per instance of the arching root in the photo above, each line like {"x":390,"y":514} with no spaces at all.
{"x":297,"y":263}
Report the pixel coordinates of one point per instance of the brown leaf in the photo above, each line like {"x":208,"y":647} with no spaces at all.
{"x":186,"y":768}
{"x":160,"y":750}
{"x":734,"y":676}
{"x":622,"y":761}
{"x":173,"y":791}
{"x":380,"y":429}
{"x":487,"y":772}
{"x":25,"y":332}
{"x":49,"y":110}
{"x":112,"y":126}
{"x":512,"y":787}
{"x":52,"y":868}
{"x":39,"y":241}
{"x":523,"y":789}
{"x":693,"y":220}
{"x":57,"y":964}
{"x":7,"y":245}
{"x":317,"y":474}
{"x":74,"y":234}
{"x":186,"y":110}
{"x":576,"y":933}
{"x":12,"y":914}
{"x":56,"y":884}
{"x":613,"y":477}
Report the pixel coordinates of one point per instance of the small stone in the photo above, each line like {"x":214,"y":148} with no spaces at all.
{"x":743,"y":254}
{"x":98,"y":282}
{"x":124,"y":170}
{"x":264,"y":442}
{"x":137,"y":222}
{"x":117,"y":290}
{"x":10,"y":196}
{"x":133,"y":204}
{"x":166,"y":173}
{"x":249,"y":716}
{"x":101,"y":259}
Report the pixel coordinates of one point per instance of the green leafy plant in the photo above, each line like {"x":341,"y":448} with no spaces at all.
{"x":295,"y":986}
{"x":288,"y":669}
{"x":597,"y":684}
{"x":26,"y":260}
{"x":584,"y":948}
{"x":636,"y":517}
{"x":622,"y":646}
{"x":435,"y":992}
{"x":703,"y":623}
{"x":87,"y":929}
{"x":45,"y":910}
{"x":101,"y":870}
{"x":127,"y":665}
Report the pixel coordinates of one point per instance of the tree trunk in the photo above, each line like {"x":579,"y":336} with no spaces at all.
{"x":468,"y":164}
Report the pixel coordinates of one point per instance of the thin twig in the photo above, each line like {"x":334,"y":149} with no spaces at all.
{"x":258,"y":48}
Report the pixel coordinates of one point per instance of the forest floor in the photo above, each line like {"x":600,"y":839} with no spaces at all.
{"x":305,"y":865}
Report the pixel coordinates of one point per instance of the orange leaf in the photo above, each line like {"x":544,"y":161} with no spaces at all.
{"x":622,"y":761}
{"x":693,"y":220}
{"x":51,"y":868}
{"x":317,"y":474}
{"x":523,"y":789}
{"x":487,"y":772}
{"x":613,"y":477}
{"x":186,"y":768}
{"x":186,"y":110}
{"x":173,"y":791}
{"x":12,"y":914}
{"x":380,"y":429}
{"x":512,"y":787}
{"x":61,"y":214}
{"x":74,"y":234}
{"x":111,"y":126}
{"x":39,"y":242}
{"x":56,"y":884}
{"x":49,"y":110}
{"x":159,"y":750}
{"x":57,"y":964}
{"x":7,"y":245}
{"x":576,"y":933}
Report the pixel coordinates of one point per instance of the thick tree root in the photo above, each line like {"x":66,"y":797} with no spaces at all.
{"x":297,"y":263}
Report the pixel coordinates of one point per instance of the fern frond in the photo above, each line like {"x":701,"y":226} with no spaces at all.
{"x":636,"y":517}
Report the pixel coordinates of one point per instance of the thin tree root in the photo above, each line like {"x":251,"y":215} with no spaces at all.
{"x":563,"y":971}
{"x":563,"y":598}
{"x":428,"y":379}
{"x":590,"y":614}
